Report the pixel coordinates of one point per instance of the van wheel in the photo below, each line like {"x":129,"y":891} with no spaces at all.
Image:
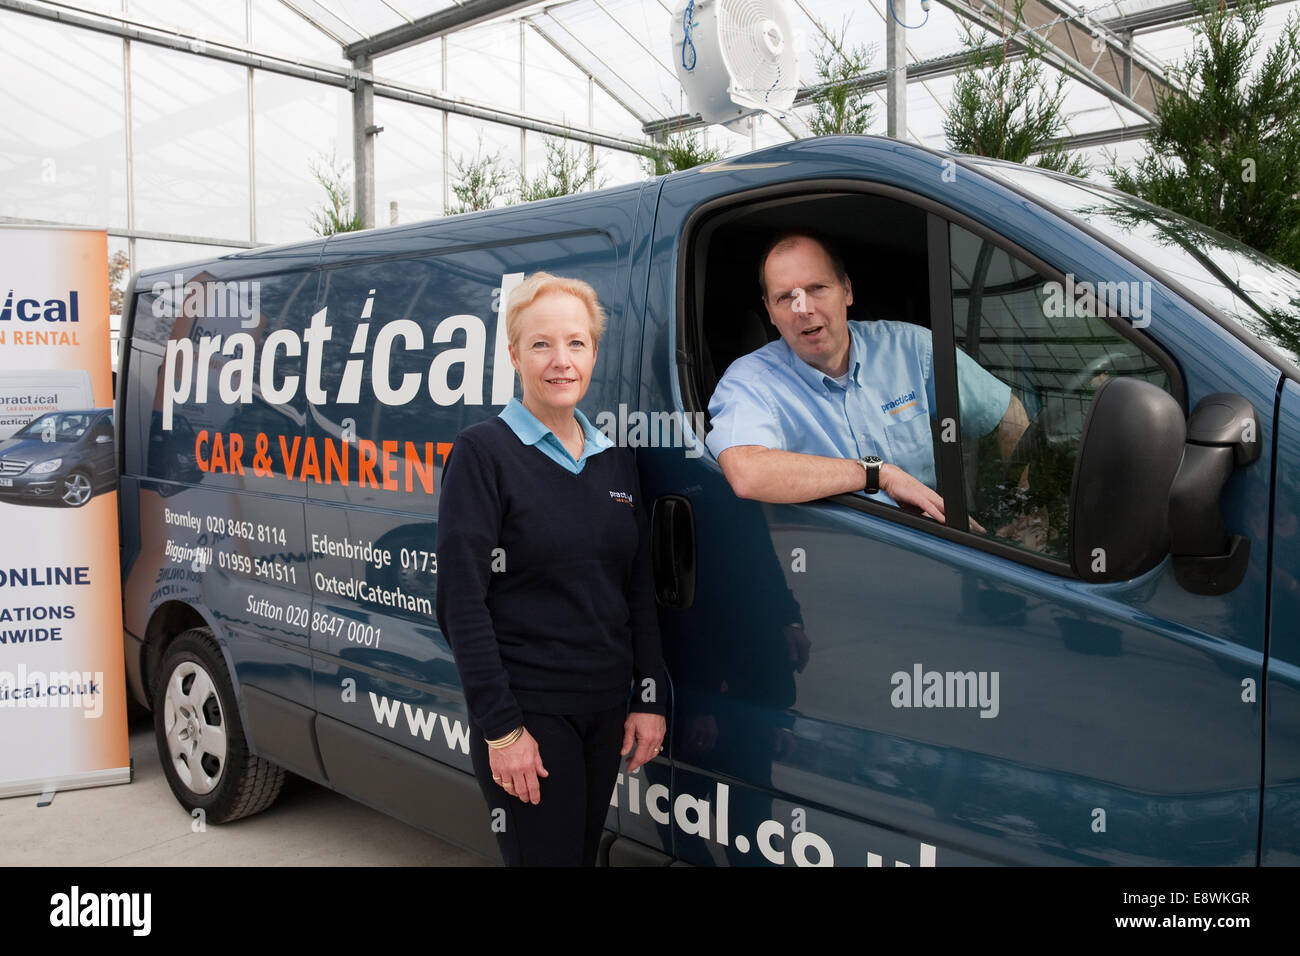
{"x":200,"y":737}
{"x":76,"y":489}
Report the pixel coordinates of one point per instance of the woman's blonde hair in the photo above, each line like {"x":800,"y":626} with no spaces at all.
{"x":543,"y":283}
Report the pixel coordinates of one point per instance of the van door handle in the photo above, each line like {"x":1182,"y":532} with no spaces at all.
{"x":672,"y":551}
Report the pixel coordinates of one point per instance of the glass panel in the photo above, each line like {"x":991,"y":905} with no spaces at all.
{"x":419,"y":66}
{"x":154,"y":254}
{"x":224,"y":21}
{"x":557,"y":90}
{"x":612,"y":118}
{"x":535,"y":156}
{"x":104,"y":6}
{"x":277,"y":29}
{"x":464,"y":136}
{"x":298,"y":124}
{"x":618,"y":168}
{"x":62,"y":145}
{"x":408,"y":162}
{"x":190,"y":123}
{"x":1019,"y":451}
{"x":333,"y":19}
{"x":483,"y":65}
{"x":616,"y":58}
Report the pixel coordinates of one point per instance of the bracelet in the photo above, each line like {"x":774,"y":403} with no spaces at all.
{"x":502,"y":742}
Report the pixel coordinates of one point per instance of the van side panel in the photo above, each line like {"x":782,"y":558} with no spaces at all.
{"x":1280,"y":843}
{"x":419,"y":310}
{"x":218,"y":533}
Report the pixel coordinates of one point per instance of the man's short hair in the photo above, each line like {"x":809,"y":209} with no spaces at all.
{"x":788,"y":237}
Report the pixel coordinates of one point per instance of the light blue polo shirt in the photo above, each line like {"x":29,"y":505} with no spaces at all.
{"x":532,"y":432}
{"x":772,"y":398}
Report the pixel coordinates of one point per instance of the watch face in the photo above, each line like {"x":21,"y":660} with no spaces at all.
{"x":874,"y":461}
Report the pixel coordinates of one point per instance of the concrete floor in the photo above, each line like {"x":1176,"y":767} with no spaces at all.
{"x":141,"y":824}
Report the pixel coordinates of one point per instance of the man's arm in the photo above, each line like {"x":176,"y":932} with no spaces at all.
{"x":1012,"y":427}
{"x":785,"y":477}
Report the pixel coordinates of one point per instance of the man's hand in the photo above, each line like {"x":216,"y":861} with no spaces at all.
{"x":906,"y":490}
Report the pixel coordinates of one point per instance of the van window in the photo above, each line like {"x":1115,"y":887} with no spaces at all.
{"x":1005,"y":317}
{"x":886,"y":263}
{"x":1002,"y":315}
{"x":197,"y":435}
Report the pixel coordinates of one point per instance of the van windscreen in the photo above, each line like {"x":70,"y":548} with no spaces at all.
{"x":59,"y":426}
{"x":1246,"y":286}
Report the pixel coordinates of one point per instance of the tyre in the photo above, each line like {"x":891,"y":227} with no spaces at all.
{"x":201,"y":738}
{"x":76,"y":489}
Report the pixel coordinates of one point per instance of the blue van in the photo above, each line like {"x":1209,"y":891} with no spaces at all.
{"x":1100,"y":670}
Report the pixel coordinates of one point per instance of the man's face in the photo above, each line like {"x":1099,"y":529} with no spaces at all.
{"x":808,"y":305}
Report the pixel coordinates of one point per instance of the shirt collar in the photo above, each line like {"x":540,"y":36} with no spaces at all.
{"x":820,"y":381}
{"x":531,"y":431}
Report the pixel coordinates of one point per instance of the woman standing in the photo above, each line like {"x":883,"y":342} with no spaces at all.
{"x":545,"y":591}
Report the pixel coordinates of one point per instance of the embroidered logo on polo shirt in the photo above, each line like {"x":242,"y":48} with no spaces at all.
{"x":897,"y":405}
{"x":622,"y":497}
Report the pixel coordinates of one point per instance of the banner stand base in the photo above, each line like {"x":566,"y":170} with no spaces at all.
{"x":48,"y":786}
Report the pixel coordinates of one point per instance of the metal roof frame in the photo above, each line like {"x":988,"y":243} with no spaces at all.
{"x":314,"y":22}
{"x":436,"y":24}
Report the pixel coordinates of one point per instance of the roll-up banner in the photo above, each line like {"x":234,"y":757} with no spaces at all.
{"x":62,"y":685}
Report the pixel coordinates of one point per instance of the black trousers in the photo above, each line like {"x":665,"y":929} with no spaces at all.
{"x":581,"y":755}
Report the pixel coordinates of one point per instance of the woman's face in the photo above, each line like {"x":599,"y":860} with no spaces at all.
{"x":555,"y":352}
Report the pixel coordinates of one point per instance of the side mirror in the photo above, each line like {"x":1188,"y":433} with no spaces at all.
{"x":103,"y":439}
{"x":1130,"y":452}
{"x":1222,"y":436}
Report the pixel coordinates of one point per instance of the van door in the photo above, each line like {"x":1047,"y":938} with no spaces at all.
{"x":1280,"y":834}
{"x":859,"y":686}
{"x":418,"y":354}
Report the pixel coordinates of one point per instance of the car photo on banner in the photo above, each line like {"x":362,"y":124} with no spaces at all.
{"x":65,"y":458}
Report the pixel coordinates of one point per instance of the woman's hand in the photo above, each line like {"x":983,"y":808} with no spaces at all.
{"x":517,"y":767}
{"x":646,"y":733}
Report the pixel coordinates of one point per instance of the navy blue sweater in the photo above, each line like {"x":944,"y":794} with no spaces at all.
{"x":544,"y":582}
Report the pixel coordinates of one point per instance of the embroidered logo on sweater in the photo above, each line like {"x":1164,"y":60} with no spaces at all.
{"x":622,"y":497}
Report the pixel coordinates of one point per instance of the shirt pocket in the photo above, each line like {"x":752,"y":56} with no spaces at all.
{"x":911,"y":446}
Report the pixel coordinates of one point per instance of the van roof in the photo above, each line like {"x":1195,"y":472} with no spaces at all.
{"x":780,"y":153}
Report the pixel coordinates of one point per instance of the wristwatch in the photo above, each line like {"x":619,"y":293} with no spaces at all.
{"x":872,"y":464}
